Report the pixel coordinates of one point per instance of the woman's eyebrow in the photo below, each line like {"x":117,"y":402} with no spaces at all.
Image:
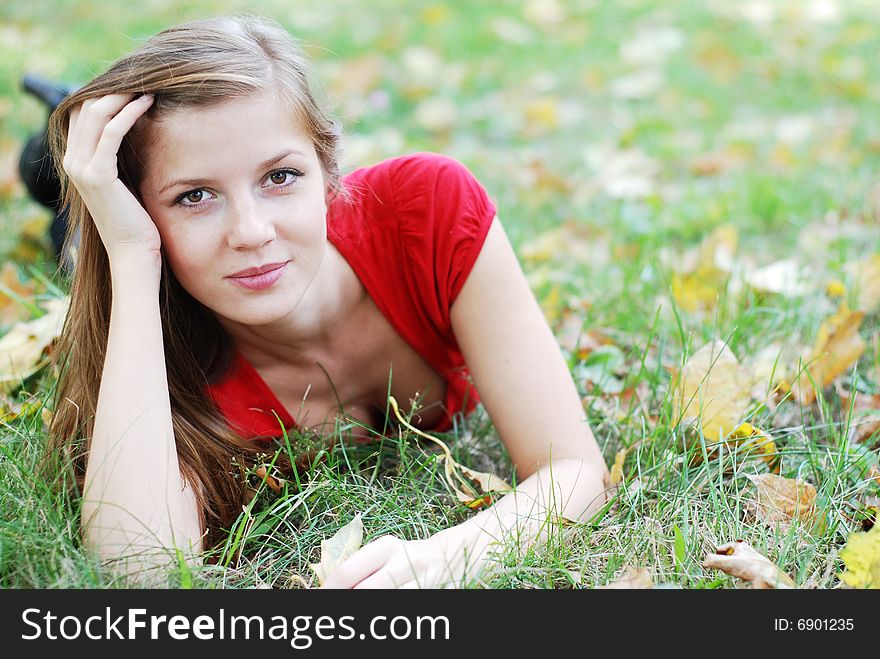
{"x":196,"y":182}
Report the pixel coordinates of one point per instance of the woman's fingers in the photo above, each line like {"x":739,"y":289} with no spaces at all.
{"x":93,"y":116}
{"x":362,"y":564}
{"x":118,"y":127}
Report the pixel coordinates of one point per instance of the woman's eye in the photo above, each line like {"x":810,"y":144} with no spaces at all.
{"x":193,"y":198}
{"x":283,"y":177}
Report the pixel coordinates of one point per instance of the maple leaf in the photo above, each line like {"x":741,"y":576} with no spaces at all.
{"x":740,"y":559}
{"x":861,"y":555}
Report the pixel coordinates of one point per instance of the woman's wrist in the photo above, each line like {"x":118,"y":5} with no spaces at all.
{"x":135,"y":268}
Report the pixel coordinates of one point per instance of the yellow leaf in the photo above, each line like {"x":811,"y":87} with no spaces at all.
{"x":704,"y":272}
{"x":542,"y":115}
{"x":740,"y":559}
{"x":838,"y":346}
{"x":861,"y":555}
{"x":835,"y":288}
{"x":616,"y":476}
{"x":21,"y":349}
{"x":750,"y":439}
{"x":781,"y":500}
{"x":337,"y":549}
{"x":713,"y":390}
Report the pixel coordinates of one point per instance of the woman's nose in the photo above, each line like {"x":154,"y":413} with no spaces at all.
{"x":249,"y":225}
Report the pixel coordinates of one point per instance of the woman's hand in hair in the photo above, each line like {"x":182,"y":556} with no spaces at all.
{"x":97,"y":128}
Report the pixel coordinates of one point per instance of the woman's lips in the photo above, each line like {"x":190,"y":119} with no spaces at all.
{"x":263,"y":280}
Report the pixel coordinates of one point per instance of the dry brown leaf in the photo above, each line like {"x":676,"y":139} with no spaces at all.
{"x":739,"y":559}
{"x":10,"y":310}
{"x":865,"y":413}
{"x":838,"y":346}
{"x":337,"y":549}
{"x":712,"y":389}
{"x":22,"y":348}
{"x":782,"y":500}
{"x":634,"y":578}
{"x":263,"y":474}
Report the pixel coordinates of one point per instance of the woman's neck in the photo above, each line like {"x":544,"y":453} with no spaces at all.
{"x":313,"y":326}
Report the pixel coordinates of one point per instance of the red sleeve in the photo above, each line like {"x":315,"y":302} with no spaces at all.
{"x":444,"y":214}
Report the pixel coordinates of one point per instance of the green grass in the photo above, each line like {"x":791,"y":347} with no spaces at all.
{"x":792,"y":102}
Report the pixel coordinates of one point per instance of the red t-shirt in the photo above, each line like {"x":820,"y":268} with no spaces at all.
{"x":411,"y":231}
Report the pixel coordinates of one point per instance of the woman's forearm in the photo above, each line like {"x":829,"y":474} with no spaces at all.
{"x":568,"y":488}
{"x":134,"y":499}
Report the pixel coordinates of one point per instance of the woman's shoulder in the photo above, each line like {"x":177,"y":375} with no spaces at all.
{"x":407,"y":171}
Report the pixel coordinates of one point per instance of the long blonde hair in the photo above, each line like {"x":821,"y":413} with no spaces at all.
{"x":196,"y":64}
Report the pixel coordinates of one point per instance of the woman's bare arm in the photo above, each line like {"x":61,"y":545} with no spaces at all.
{"x":134,"y":500}
{"x":528,"y":391}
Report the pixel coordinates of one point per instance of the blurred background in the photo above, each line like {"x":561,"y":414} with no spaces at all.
{"x":613,"y":135}
{"x":670,"y":173}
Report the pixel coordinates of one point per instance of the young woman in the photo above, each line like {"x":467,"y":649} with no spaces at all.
{"x":226,"y":274}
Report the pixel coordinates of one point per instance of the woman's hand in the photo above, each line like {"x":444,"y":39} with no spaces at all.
{"x":447,"y":559}
{"x":96,"y":130}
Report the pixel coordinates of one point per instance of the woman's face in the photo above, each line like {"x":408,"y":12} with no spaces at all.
{"x":234,"y":187}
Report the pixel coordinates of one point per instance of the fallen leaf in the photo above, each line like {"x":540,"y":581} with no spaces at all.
{"x":865,"y":273}
{"x":838,"y":346}
{"x":751,"y":439}
{"x":785,"y":277}
{"x":622,"y":174}
{"x":713,"y":390}
{"x":768,"y":370}
{"x":865,"y":413}
{"x":11,"y":290}
{"x":274,"y":483}
{"x":782,"y":500}
{"x":337,"y":549}
{"x":739,"y":559}
{"x":22,"y":348}
{"x":861,"y":555}
{"x":616,"y":476}
{"x":633,"y":578}
{"x":702,"y":274}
